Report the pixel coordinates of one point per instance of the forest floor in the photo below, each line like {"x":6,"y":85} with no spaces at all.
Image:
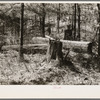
{"x":36,"y":71}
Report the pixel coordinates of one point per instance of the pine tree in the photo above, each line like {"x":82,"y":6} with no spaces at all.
{"x":21,"y":32}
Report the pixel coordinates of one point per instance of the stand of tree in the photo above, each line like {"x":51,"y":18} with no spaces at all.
{"x":58,"y":12}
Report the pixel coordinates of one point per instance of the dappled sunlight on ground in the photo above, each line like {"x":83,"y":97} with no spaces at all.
{"x":36,"y":71}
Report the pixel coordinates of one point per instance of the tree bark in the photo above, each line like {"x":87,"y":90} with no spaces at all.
{"x":74,"y":21}
{"x":78,"y":23}
{"x":35,"y":19}
{"x":40,"y":25}
{"x":3,"y":30}
{"x":43,"y":21}
{"x":68,"y":34}
{"x":99,"y":29}
{"x":58,"y":18}
{"x":21,"y":32}
{"x":55,"y":51}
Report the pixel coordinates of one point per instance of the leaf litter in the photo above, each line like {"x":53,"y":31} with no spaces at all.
{"x":36,"y":71}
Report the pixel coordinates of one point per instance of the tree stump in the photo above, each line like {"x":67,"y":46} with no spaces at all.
{"x":55,"y":51}
{"x":68,"y":35}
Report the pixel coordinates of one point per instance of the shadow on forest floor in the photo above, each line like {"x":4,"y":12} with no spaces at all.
{"x":36,"y":71}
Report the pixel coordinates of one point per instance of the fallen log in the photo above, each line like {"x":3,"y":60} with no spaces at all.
{"x":77,"y":46}
{"x":42,"y":43}
{"x":28,"y":46}
{"x":39,"y":40}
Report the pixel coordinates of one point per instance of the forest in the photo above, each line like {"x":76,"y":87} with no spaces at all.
{"x":49,"y":44}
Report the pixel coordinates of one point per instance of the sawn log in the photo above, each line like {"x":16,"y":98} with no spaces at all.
{"x":42,"y":43}
{"x":78,"y":46}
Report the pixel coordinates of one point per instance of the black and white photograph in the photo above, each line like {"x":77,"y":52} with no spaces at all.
{"x":49,"y":43}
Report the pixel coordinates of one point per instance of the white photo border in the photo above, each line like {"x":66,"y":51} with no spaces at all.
{"x":49,"y":91}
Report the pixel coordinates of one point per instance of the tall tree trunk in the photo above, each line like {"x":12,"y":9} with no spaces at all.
{"x":21,"y":32}
{"x":43,"y":26}
{"x":18,"y":29}
{"x":79,"y":22}
{"x":4,"y":25}
{"x":35,"y":18}
{"x":3,"y":28}
{"x":99,"y":30}
{"x":40,"y":24}
{"x":74,"y":21}
{"x":58,"y":18}
{"x":49,"y":26}
{"x":43,"y":21}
